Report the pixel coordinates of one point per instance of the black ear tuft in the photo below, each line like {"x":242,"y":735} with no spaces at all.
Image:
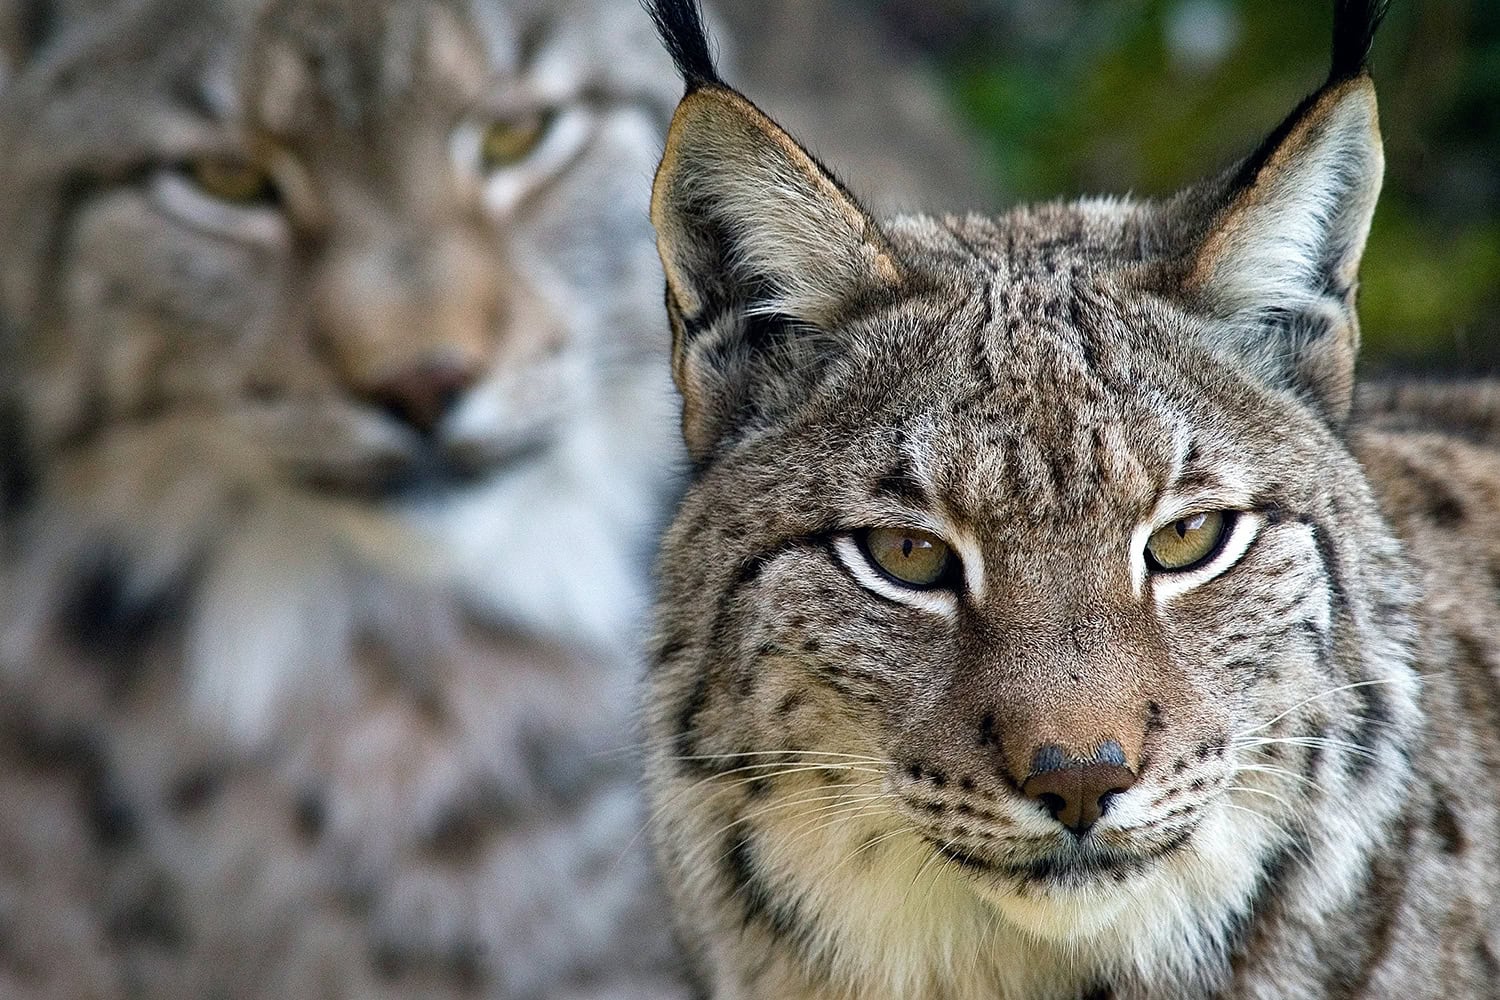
{"x":1354,"y":25}
{"x":680,"y":24}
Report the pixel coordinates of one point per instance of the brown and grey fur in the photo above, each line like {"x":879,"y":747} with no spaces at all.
{"x":296,"y":699}
{"x":1311,"y":719}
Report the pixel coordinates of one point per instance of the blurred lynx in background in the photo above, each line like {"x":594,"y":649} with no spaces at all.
{"x":334,"y":431}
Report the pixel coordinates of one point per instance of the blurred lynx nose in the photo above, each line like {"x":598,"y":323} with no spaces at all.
{"x":410,"y":328}
{"x":424,"y":394}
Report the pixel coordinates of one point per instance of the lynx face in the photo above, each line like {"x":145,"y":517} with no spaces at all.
{"x":368,"y":282}
{"x":1027,"y":608}
{"x":1055,"y":712}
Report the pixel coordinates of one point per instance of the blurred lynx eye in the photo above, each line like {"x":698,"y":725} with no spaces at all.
{"x":1188,"y":541}
{"x":909,"y":556}
{"x":506,"y":143}
{"x":232,"y":179}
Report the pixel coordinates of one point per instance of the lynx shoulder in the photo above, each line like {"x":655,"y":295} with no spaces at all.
{"x":1044,"y":620}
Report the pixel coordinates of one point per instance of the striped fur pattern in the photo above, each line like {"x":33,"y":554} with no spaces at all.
{"x":1309,"y":713}
{"x":312,"y":686}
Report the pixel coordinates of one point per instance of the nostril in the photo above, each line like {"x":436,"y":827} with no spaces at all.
{"x":1077,"y":791}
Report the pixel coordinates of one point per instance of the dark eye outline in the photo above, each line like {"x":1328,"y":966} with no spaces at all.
{"x":267,"y":195}
{"x":544,"y":121}
{"x":1228,"y":520}
{"x":951,"y":577}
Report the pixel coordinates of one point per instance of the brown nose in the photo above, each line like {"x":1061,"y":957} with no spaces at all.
{"x":424,"y":394}
{"x":1077,"y":791}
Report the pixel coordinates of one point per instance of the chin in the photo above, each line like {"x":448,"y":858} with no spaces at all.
{"x":1077,"y":892}
{"x":1060,"y":912}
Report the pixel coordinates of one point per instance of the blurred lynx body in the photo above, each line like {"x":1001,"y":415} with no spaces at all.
{"x":333,"y":437}
{"x":1044,"y":620}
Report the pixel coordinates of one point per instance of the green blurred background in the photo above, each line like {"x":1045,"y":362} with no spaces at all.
{"x":1142,"y":96}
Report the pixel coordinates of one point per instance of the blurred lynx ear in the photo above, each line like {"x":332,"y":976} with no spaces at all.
{"x":1281,"y":258}
{"x":760,"y":243}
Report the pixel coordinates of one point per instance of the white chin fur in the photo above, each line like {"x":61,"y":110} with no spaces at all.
{"x":1177,"y":902}
{"x":1062,"y":914}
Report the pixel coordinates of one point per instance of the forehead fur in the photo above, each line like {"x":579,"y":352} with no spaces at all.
{"x":1033,"y":363}
{"x":350,"y":60}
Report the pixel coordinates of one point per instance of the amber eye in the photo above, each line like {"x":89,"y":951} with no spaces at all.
{"x":507,"y":143}
{"x":1187,"y":542}
{"x":232,"y":179}
{"x":914,"y":558}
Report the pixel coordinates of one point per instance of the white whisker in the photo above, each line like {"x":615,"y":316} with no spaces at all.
{"x":1327,"y":694}
{"x":1260,"y":791}
{"x":1324,"y":742}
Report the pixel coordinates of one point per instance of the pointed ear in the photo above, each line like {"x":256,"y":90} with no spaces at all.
{"x":762,"y":248}
{"x":1281,"y":258}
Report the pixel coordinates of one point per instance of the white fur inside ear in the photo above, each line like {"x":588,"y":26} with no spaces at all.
{"x":810,"y":240}
{"x":937,"y":602}
{"x":791,"y":232}
{"x":1309,"y":212}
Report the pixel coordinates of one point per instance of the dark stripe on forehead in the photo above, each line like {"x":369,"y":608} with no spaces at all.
{"x":901,"y":483}
{"x":1195,"y":476}
{"x":983,"y":369}
{"x":534,"y":35}
{"x":1087,"y":340}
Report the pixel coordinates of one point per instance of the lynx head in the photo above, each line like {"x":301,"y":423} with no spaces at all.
{"x":303,"y":297}
{"x":1035,"y":538}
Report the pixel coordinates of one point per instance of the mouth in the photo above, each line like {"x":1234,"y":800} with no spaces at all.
{"x":1074,"y":864}
{"x":424,"y":471}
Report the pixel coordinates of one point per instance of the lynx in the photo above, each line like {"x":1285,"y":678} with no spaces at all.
{"x":334,"y":436}
{"x":1048,"y":617}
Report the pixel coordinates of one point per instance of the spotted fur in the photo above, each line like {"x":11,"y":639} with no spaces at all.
{"x":840,"y":762}
{"x":315,"y":683}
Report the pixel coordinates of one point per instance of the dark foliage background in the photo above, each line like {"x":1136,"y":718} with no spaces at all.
{"x":1141,"y":96}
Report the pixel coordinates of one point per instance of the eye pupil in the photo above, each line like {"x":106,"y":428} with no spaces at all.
{"x":232,"y":179}
{"x":910,"y":557}
{"x":506,"y":143}
{"x":1188,"y":541}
